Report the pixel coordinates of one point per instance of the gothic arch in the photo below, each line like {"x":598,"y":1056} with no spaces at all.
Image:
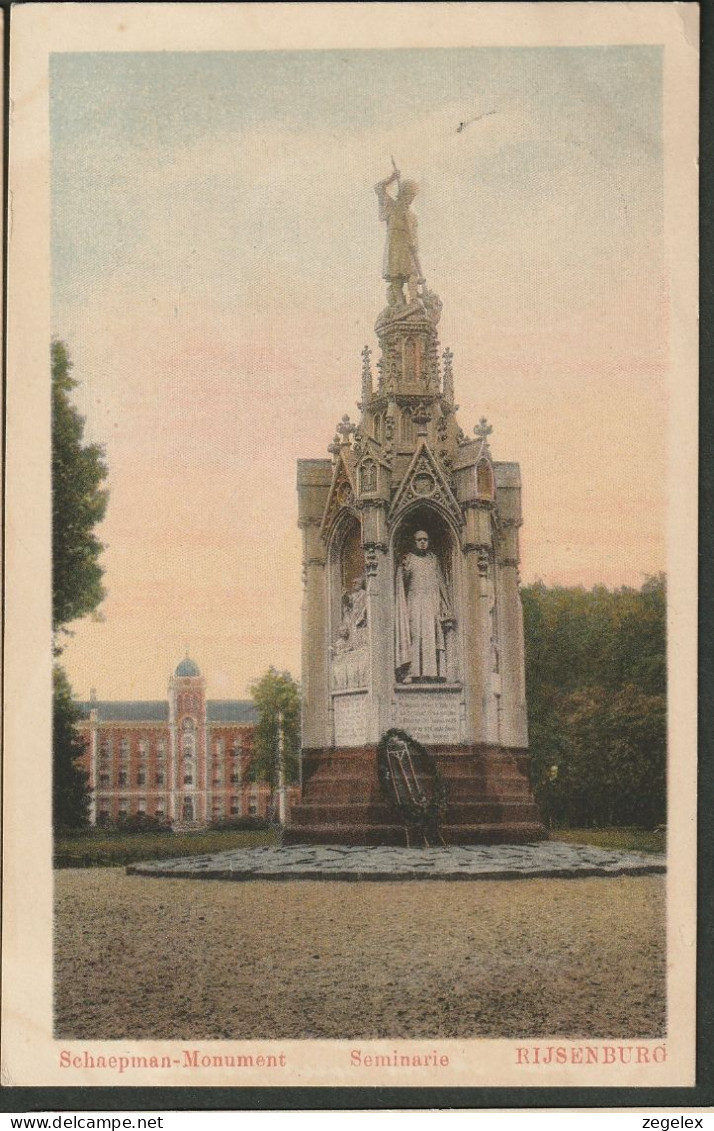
{"x":345,"y":558}
{"x":485,"y":485}
{"x":436,"y":520}
{"x":444,"y":541}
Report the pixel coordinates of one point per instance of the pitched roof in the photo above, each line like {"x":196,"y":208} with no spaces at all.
{"x":130,"y":711}
{"x":157,"y":710}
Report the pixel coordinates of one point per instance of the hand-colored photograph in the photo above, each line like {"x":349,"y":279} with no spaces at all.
{"x":361,"y":361}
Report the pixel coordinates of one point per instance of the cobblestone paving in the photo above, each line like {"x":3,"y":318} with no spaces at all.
{"x":455,"y":862}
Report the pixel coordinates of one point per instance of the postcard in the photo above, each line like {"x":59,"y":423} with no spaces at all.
{"x":350,"y":732}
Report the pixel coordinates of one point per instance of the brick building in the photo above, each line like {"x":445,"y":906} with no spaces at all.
{"x":184,"y":759}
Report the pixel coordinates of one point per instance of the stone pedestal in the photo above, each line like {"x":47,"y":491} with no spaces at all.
{"x":489,"y":800}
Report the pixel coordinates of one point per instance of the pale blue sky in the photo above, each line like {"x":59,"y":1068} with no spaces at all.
{"x":113,"y":113}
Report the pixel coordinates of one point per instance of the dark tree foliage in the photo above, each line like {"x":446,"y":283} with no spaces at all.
{"x":596,"y":690}
{"x":78,"y":503}
{"x":70,"y":790}
{"x":277,"y":699}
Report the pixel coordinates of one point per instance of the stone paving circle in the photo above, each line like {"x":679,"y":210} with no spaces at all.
{"x":453,"y":862}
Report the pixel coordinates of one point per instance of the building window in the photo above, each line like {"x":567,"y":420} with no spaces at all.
{"x":161,"y":750}
{"x":368,"y":475}
{"x":412,"y":359}
{"x":159,"y":812}
{"x":188,"y":779}
{"x":123,"y":808}
{"x":141,"y":777}
{"x":236,"y":777}
{"x":141,"y":806}
{"x":253,"y":808}
{"x":143,"y":748}
{"x":103,"y":817}
{"x":124,"y":748}
{"x":104,"y":781}
{"x":484,"y":479}
{"x":217,"y":777}
{"x":105,"y":749}
{"x":160,"y":777}
{"x":218,"y":748}
{"x":408,"y":430}
{"x":235,"y":806}
{"x":122,"y":777}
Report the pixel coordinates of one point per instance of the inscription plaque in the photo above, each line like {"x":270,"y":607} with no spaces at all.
{"x":350,"y":719}
{"x":430,"y":716}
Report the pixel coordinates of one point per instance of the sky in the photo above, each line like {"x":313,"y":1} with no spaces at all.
{"x":216,"y":263}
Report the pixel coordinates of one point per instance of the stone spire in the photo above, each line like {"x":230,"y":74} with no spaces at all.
{"x":448,"y":380}
{"x":367,"y":389}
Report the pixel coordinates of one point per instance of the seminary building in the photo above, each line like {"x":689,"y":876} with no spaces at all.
{"x":184,"y":759}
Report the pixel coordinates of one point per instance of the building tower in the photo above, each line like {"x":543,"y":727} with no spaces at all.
{"x":412,"y":616}
{"x":188,"y":785}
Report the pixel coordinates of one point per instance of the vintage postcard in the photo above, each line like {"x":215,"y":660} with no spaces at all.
{"x":350,"y":733}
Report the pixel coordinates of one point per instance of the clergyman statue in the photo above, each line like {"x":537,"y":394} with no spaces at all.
{"x":401,"y":252}
{"x":423,"y":612}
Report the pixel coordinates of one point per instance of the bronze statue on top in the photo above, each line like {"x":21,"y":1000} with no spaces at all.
{"x":401,"y":252}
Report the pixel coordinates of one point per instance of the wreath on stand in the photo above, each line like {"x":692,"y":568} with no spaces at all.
{"x":410,"y":779}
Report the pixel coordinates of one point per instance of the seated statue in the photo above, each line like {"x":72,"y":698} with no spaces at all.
{"x":349,"y":649}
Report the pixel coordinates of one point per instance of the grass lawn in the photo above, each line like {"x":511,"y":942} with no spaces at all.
{"x":631,"y":839}
{"x":100,"y":848}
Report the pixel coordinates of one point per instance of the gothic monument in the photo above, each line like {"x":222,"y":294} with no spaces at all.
{"x":411,"y":617}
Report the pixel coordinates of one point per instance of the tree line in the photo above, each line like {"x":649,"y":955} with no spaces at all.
{"x":596,"y":685}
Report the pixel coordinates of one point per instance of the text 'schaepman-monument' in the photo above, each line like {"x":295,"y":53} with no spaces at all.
{"x":412,"y":616}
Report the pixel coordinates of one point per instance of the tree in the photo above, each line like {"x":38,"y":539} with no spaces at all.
{"x":78,"y":504}
{"x":70,"y":783}
{"x":277,"y":699}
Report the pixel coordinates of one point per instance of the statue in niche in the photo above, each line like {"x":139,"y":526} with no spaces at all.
{"x":423,"y":613}
{"x":349,"y":653}
{"x":353,"y":626}
{"x":401,"y":253}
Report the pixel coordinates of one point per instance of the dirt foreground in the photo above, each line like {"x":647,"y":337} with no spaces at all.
{"x":182,"y":959}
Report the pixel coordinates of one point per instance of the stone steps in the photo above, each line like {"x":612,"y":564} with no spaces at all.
{"x":488,"y":798}
{"x":324,"y":789}
{"x":489,"y":812}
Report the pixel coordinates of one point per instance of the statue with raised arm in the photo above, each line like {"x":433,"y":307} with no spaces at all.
{"x":401,"y":252}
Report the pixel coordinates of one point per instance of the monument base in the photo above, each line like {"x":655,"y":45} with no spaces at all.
{"x":489,"y":799}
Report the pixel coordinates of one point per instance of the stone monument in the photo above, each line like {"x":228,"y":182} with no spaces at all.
{"x":412,"y":618}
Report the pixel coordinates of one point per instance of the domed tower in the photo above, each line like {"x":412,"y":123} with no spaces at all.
{"x":187,"y":756}
{"x":412,"y":616}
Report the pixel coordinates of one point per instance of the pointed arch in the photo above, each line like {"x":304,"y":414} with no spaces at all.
{"x":485,"y":480}
{"x":444,"y":541}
